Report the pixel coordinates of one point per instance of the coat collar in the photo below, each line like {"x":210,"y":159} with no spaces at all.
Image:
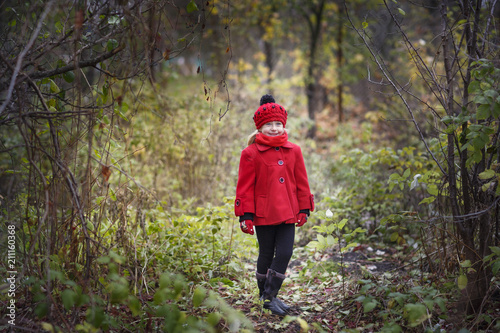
{"x":261,"y":147}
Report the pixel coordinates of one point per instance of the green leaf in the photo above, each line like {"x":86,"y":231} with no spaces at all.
{"x":365,"y":24}
{"x":104,"y":260}
{"x":321,"y":239}
{"x":495,"y":267}
{"x":496,"y":110}
{"x":330,"y":240}
{"x":475,"y":128}
{"x":59,"y":27}
{"x":199,"y":295}
{"x":68,"y":298}
{"x":391,"y":328}
{"x":495,"y":250}
{"x":119,"y":292}
{"x":313,"y":245}
{"x":112,"y":194}
{"x":394,"y":176}
{"x":359,"y":230}
{"x":399,"y":297}
{"x":120,"y":114}
{"x":348,"y":246}
{"x":42,"y":309}
{"x":481,"y":99}
{"x":447,"y":119}
{"x":53,"y":87}
{"x":487,"y":174}
{"x":95,"y":316}
{"x":342,"y":224}
{"x":69,"y":76}
{"x":432,"y":189}
{"x":491,"y":93}
{"x":474,"y":86}
{"x":466,"y":264}
{"x":116,"y":257}
{"x":134,"y":305}
{"x":402,"y":11}
{"x":416,"y":314}
{"x":111,"y":45}
{"x":483,"y":112}
{"x":480,"y":141}
{"x":191,"y":7}
{"x":214,"y":318}
{"x":81,"y":299}
{"x":369,"y":306}
{"x":462,"y":282}
{"x":475,"y":157}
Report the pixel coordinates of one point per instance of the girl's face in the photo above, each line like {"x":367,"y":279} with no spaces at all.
{"x":273,"y":128}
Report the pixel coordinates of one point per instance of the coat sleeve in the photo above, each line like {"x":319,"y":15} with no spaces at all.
{"x":245,"y":188}
{"x":304,"y":196}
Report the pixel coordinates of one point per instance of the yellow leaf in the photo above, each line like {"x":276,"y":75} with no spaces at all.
{"x":48,"y":327}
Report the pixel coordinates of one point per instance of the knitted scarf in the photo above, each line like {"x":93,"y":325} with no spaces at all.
{"x":272,"y":141}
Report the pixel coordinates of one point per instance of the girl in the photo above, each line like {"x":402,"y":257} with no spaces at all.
{"x":273,"y":195}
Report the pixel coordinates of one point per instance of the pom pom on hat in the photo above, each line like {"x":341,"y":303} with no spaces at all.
{"x":269,"y":111}
{"x":267,"y":99}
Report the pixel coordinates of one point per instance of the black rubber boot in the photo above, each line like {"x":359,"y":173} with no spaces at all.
{"x":272,"y":285}
{"x":282,"y":305}
{"x":261,"y":282}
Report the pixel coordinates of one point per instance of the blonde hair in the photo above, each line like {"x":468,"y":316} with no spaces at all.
{"x":251,"y":137}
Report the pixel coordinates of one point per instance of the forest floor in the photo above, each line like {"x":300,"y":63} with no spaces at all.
{"x":325,"y":299}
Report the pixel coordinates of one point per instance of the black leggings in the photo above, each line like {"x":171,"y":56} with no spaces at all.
{"x":275,"y":247}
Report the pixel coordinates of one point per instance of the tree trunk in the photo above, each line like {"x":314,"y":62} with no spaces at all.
{"x":474,"y":230}
{"x":312,"y":78}
{"x":340,"y":58}
{"x":312,"y":105}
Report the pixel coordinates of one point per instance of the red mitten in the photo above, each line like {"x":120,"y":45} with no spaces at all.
{"x":301,"y":219}
{"x":247,"y":226}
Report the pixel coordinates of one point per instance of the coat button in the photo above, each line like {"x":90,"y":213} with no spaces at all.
{"x":277,"y":148}
{"x":282,"y":180}
{"x":237,"y":202}
{"x":280,"y":162}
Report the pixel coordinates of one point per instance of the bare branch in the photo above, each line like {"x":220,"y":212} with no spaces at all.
{"x":20,"y":57}
{"x":72,"y":66}
{"x":395,"y":86}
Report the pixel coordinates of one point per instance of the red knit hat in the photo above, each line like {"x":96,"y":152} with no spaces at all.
{"x":269,"y":112}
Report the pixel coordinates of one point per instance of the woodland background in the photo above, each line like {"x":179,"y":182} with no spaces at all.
{"x":121,"y":126}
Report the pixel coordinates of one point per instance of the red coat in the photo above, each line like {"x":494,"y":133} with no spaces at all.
{"x":272,"y":184}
